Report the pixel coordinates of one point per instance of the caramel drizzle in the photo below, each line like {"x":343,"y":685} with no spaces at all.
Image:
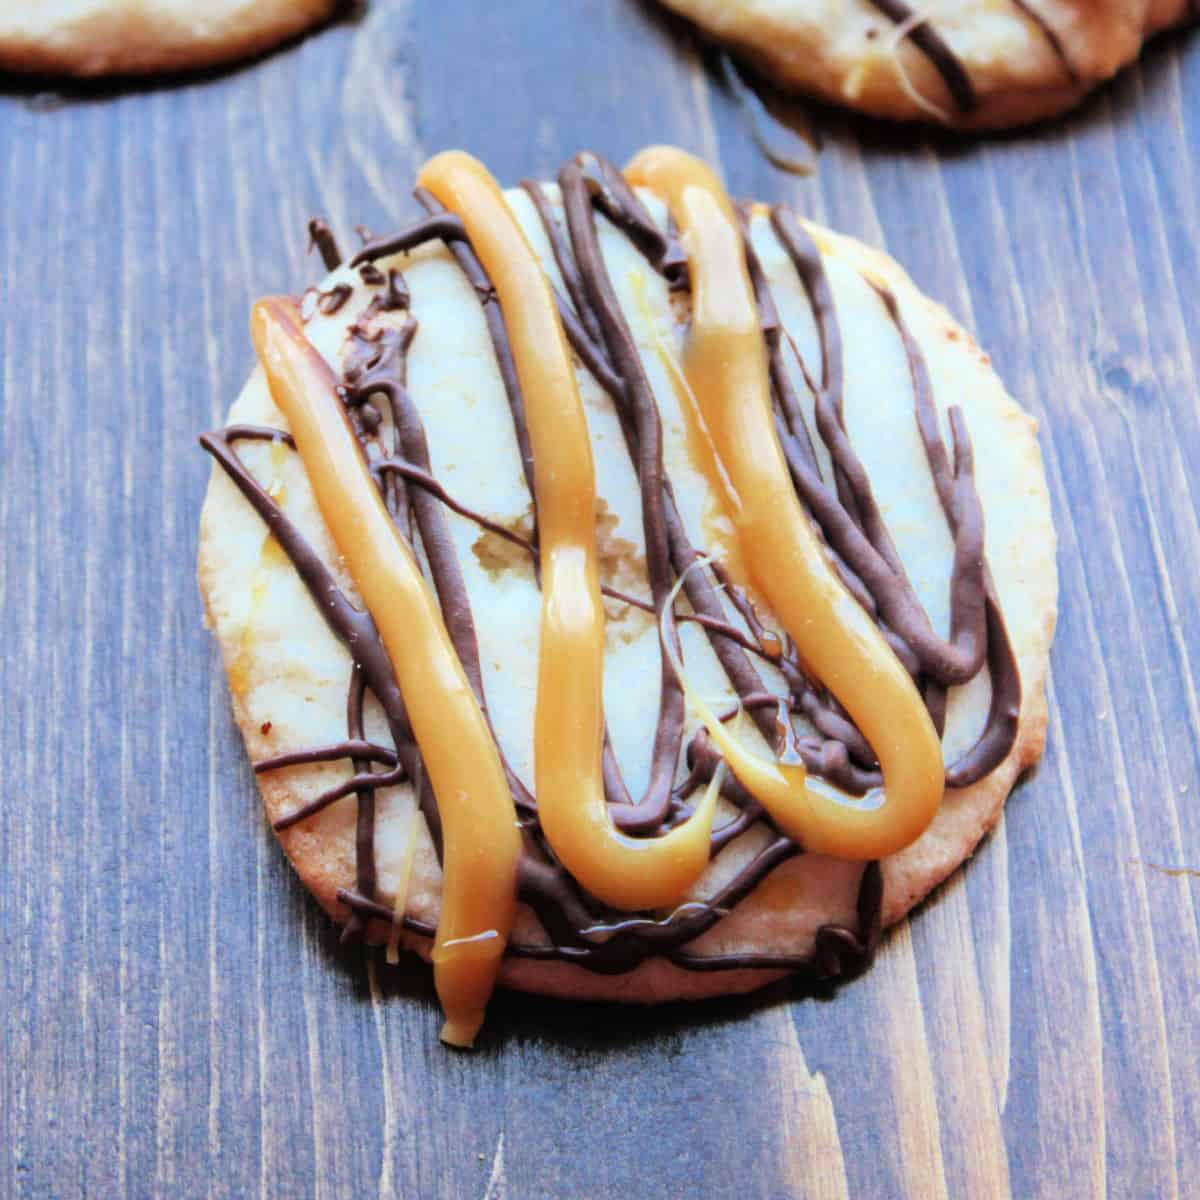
{"x":569,"y":722}
{"x":457,"y":746}
{"x":613,"y":945}
{"x":851,"y":521}
{"x":642,"y":430}
{"x":630,"y":817}
{"x":553,"y":895}
{"x":589,"y":184}
{"x":616,"y":944}
{"x":727,"y":391}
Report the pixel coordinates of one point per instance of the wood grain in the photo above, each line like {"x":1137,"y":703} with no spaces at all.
{"x":175,"y":1016}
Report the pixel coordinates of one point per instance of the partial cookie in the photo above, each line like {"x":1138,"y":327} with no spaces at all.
{"x":143,"y":37}
{"x":969,"y":64}
{"x":864,"y":370}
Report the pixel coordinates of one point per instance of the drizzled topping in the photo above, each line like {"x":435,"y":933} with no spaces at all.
{"x":586,"y":819}
{"x":931,"y":43}
{"x":457,"y":749}
{"x":625,"y":872}
{"x":916,"y":25}
{"x":834,"y":636}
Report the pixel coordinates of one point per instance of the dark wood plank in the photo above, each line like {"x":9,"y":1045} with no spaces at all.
{"x":176,"y":1017}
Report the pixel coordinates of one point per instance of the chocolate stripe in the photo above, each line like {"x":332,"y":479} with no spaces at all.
{"x":865,"y":543}
{"x":960,"y":504}
{"x":472,"y":268}
{"x":933,"y":46}
{"x":562,"y":257}
{"x":1051,"y":36}
{"x":352,"y":627}
{"x":320,"y":237}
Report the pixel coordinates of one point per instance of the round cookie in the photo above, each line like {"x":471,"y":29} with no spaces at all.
{"x":968,"y":64}
{"x":847,"y":323}
{"x":90,"y":38}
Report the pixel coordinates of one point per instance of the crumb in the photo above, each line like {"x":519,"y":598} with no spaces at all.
{"x":620,"y":560}
{"x":496,"y":555}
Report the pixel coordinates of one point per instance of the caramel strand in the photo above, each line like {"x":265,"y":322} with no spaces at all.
{"x":891,"y":588}
{"x":863,"y":541}
{"x":457,"y":748}
{"x":727,"y":371}
{"x":586,"y":185}
{"x":622,"y":871}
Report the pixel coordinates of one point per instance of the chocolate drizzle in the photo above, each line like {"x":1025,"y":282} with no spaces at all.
{"x":1052,"y":38}
{"x":960,"y":505}
{"x":321,"y":237}
{"x":931,"y":43}
{"x":954,"y":74}
{"x":351,"y":626}
{"x":373,"y":385}
{"x":331,"y":301}
{"x":855,"y":529}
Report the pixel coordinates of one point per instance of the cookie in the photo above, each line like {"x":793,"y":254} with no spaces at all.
{"x":624,"y":595}
{"x":968,"y":64}
{"x":90,"y":38}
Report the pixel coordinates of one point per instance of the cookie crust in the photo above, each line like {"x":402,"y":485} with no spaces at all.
{"x":1024,"y":60}
{"x":288,"y":674}
{"x":93,"y":38}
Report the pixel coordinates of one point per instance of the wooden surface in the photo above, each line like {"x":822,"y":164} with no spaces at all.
{"x":175,"y":1015}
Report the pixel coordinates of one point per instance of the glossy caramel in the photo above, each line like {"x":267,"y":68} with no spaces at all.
{"x":726,"y":369}
{"x":479,"y":825}
{"x":626,"y":872}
